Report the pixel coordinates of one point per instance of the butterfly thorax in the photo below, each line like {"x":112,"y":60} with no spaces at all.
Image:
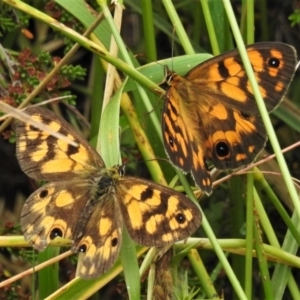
{"x":103,"y":185}
{"x":104,"y":181}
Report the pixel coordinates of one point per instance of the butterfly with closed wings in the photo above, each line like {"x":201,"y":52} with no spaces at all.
{"x":211,"y":114}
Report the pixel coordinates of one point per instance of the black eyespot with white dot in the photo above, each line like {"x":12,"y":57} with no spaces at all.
{"x":222,"y":149}
{"x":180,"y":218}
{"x":274,"y":62}
{"x":171,"y":142}
{"x":56,"y":232}
{"x":82,"y":248}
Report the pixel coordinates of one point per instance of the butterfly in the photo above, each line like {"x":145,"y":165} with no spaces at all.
{"x":89,"y":203}
{"x":210,"y":114}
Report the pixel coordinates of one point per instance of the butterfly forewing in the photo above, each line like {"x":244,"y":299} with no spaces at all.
{"x":176,"y":135}
{"x":224,"y":75}
{"x":211,"y":113}
{"x":42,"y":156}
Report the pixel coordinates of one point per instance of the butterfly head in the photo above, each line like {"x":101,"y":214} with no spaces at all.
{"x":169,"y":75}
{"x":121,"y":170}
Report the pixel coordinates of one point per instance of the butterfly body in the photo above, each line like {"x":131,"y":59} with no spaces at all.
{"x":88,"y":203}
{"x":210,"y":114}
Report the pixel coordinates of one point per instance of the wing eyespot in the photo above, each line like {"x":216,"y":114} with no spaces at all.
{"x":171,"y":142}
{"x":82,"y":248}
{"x":245,"y":115}
{"x":56,"y":232}
{"x":180,"y":218}
{"x":222,"y":149}
{"x":43,"y":194}
{"x":274,"y":62}
{"x":114,"y":242}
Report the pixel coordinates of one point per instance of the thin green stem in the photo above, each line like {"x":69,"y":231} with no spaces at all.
{"x":263,"y":266}
{"x":201,"y":273}
{"x":250,"y":21}
{"x":177,"y":24}
{"x":149,"y":33}
{"x":249,"y":237}
{"x":210,"y":27}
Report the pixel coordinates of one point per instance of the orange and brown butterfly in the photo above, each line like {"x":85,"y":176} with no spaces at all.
{"x":89,"y":203}
{"x":210,"y":114}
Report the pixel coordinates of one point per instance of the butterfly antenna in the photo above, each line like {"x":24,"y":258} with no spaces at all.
{"x":153,"y":159}
{"x":172,"y":49}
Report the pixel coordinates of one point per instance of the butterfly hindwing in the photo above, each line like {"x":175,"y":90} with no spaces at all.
{"x":100,"y":238}
{"x":50,"y":212}
{"x":61,"y":210}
